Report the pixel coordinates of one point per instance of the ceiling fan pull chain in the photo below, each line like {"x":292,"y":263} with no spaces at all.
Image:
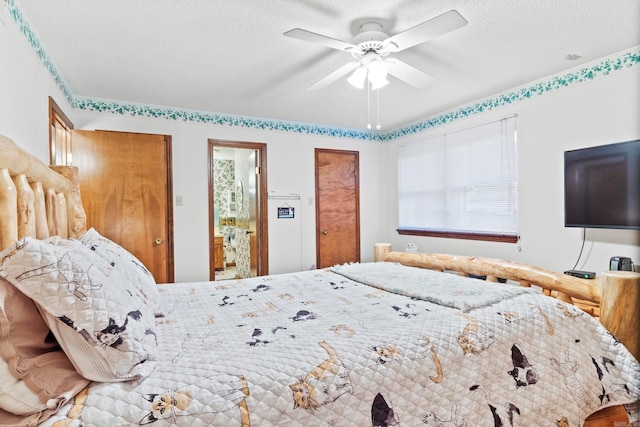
{"x":368,"y":104}
{"x":378,"y":127}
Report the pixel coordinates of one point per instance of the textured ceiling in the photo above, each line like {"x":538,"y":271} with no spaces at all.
{"x":230,"y":56}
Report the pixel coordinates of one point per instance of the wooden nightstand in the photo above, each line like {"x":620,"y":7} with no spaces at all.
{"x":218,"y":252}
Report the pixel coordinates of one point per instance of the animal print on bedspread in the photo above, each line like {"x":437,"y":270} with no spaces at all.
{"x":315,"y":348}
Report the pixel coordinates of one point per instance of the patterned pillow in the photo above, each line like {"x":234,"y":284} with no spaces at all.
{"x":35,"y":374}
{"x":128,"y":265}
{"x":100,"y":320}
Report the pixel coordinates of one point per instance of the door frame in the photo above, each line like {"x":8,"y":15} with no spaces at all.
{"x":261,"y":202}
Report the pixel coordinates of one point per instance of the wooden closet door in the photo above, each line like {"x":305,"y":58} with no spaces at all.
{"x":125,"y":184}
{"x":337,"y":207}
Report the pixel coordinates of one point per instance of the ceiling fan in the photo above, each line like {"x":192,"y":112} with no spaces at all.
{"x":371,"y":48}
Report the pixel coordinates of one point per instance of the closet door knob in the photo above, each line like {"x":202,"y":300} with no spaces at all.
{"x":158,"y":241}
{"x":324,"y":232}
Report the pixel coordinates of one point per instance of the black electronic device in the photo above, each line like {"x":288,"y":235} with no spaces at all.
{"x":620,"y":263}
{"x":602,"y":186}
{"x":581,"y":274}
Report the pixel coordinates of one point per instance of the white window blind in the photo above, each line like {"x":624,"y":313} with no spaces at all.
{"x":461,"y":182}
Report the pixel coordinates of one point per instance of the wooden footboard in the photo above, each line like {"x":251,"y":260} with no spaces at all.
{"x":615,"y":296}
{"x":495,"y":269}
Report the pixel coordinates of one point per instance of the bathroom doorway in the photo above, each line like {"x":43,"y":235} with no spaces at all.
{"x":237,"y":210}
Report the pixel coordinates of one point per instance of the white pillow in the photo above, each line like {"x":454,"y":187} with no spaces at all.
{"x":128,"y":265}
{"x":101,"y":322}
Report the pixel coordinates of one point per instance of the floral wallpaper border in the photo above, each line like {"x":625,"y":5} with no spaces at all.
{"x":590,"y":72}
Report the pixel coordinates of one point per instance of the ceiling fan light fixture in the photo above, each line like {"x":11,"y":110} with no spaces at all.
{"x":372,"y":44}
{"x":377,"y":75}
{"x":358,"y":77}
{"x":378,"y":84}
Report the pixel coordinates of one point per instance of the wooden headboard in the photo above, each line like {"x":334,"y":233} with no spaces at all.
{"x":614,"y":297}
{"x":37,"y":200}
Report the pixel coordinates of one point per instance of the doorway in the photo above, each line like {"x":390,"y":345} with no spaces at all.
{"x":238,"y":236}
{"x":337,"y":207}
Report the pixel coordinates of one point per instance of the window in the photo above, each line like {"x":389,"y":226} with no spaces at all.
{"x":461,"y":185}
{"x":59,"y":135}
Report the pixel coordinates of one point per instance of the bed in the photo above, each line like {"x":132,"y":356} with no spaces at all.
{"x":88,"y":338}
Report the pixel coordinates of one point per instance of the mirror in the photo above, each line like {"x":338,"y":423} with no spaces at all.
{"x":239,"y":195}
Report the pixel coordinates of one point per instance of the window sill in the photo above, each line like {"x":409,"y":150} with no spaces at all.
{"x":504,"y":238}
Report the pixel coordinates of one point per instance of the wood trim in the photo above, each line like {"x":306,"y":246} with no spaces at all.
{"x":505,"y":238}
{"x":56,"y":115}
{"x":262,"y":226}
{"x":211,"y":205}
{"x":170,"y":241}
{"x":55,"y":108}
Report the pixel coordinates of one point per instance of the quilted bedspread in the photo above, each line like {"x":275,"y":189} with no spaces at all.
{"x":318,"y":348}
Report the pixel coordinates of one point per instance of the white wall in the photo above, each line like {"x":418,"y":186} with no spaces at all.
{"x":25,"y":86}
{"x":290,"y":167}
{"x":597,"y":112}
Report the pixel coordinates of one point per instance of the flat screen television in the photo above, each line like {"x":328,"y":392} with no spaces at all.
{"x":601,"y":186}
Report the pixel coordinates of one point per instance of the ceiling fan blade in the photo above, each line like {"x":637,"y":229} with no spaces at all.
{"x":407,"y":73}
{"x":308,"y":36}
{"x":337,"y":74}
{"x":428,"y":30}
